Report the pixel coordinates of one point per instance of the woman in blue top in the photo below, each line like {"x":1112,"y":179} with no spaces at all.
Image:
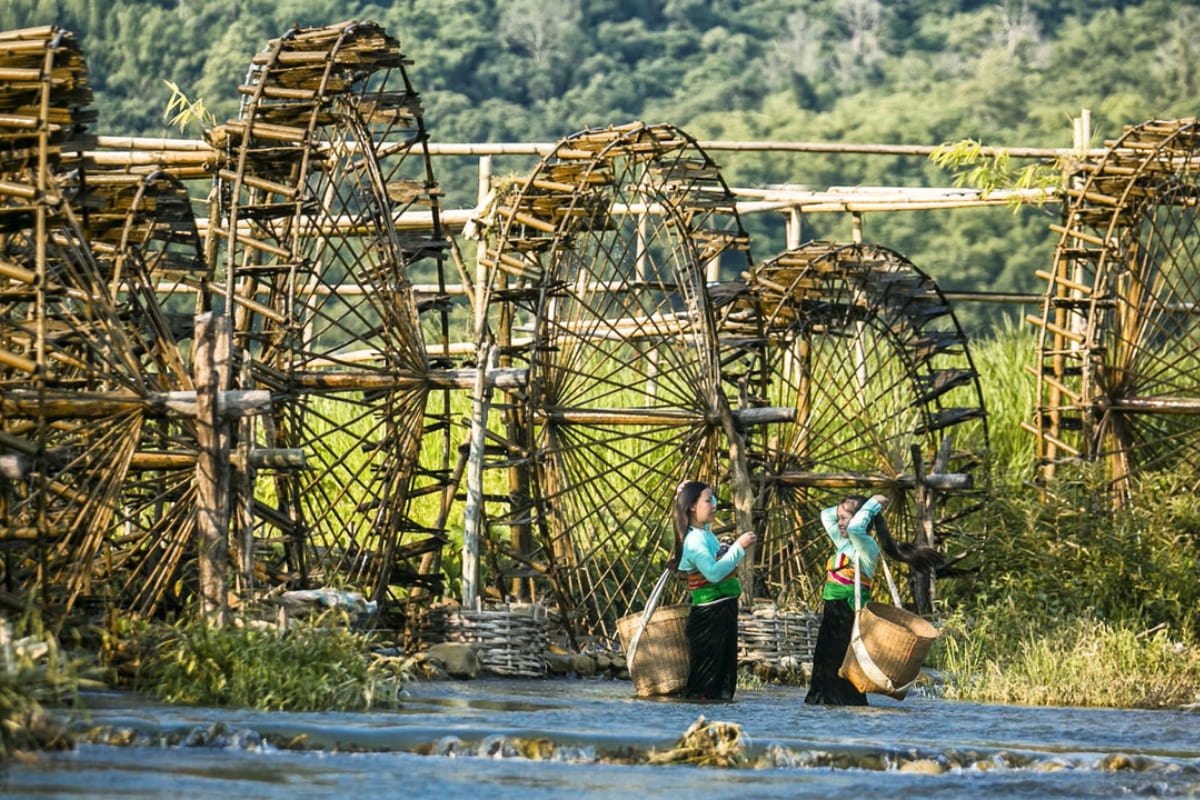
{"x":848,"y":525}
{"x":710,"y":567}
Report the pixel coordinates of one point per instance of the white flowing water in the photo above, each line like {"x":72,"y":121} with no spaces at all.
{"x":451,"y":739}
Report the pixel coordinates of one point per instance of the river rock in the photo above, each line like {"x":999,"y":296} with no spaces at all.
{"x":583,"y":665}
{"x":456,"y":659}
{"x":558,"y":664}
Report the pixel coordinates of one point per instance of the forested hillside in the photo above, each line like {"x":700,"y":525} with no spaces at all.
{"x":1004,"y":72}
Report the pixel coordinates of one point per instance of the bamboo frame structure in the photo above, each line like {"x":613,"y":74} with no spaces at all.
{"x":622,"y":366}
{"x":623,"y":389}
{"x":324,"y":198}
{"x":593,"y":298}
{"x":328,"y":151}
{"x":67,"y":334}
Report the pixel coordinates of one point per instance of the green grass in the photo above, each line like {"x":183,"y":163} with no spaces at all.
{"x":1073,"y":603}
{"x":1008,"y":394}
{"x":37,"y":679}
{"x":996,"y":655}
{"x":314,"y":666}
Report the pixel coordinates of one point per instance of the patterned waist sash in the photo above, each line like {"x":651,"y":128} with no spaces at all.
{"x":705,"y":591}
{"x":840,"y":569}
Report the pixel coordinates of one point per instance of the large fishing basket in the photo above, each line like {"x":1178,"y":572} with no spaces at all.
{"x":887,"y":649}
{"x":660,"y":661}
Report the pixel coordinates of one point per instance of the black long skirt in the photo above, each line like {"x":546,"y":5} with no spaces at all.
{"x":833,"y":637}
{"x":712,"y":647}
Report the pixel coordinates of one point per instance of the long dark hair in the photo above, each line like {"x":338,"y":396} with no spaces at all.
{"x":920,"y":557}
{"x":686,"y":495}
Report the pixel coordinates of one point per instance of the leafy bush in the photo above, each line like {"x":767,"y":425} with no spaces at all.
{"x":35,"y":674}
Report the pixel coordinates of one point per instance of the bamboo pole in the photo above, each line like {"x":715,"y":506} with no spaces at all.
{"x":742,"y":494}
{"x":473,"y":521}
{"x":91,"y":405}
{"x":548,"y":148}
{"x":951,"y":481}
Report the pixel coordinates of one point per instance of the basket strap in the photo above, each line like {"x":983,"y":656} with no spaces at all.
{"x":887,"y":573}
{"x":651,"y":605}
{"x":857,"y":587}
{"x":868,"y":665}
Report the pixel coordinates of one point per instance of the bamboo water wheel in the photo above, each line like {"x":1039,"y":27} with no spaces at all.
{"x":326,"y":159}
{"x":598,"y":271}
{"x":78,"y":382}
{"x":147,"y":235}
{"x":867,"y":351}
{"x":1118,"y":371}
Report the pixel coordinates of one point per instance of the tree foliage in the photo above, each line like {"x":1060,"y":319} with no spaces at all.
{"x":1003,"y":73}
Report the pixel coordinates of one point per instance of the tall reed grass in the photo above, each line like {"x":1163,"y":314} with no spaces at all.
{"x":996,"y":656}
{"x":1072,"y":604}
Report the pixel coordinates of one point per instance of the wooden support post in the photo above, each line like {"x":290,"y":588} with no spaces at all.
{"x":211,"y":365}
{"x":924,"y":510}
{"x":742,"y":494}
{"x":924,"y":584}
{"x":482,"y":278}
{"x":473,"y":521}
{"x":516,"y":426}
{"x":794,"y":227}
{"x":248,"y":461}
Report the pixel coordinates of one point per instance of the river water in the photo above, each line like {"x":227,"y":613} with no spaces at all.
{"x":464,"y":741}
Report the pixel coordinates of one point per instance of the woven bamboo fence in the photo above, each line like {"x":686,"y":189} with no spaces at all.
{"x":509,"y":640}
{"x":778,"y":638}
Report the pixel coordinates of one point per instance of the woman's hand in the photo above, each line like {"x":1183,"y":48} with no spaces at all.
{"x":746,"y":539}
{"x":882,"y":499}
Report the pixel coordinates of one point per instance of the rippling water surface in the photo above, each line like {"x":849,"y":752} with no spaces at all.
{"x":451,"y":738}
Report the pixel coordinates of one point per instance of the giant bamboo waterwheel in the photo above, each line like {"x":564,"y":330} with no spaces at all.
{"x":145,"y":236}
{"x":1118,"y":371}
{"x":75,"y":389}
{"x":598,"y":288}
{"x":867,"y":351}
{"x":326,"y":160}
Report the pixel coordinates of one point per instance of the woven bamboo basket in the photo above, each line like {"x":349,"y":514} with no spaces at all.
{"x":660,"y":665}
{"x":897,"y":641}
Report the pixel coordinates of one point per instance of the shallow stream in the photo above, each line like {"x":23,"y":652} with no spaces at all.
{"x":452,"y":738}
